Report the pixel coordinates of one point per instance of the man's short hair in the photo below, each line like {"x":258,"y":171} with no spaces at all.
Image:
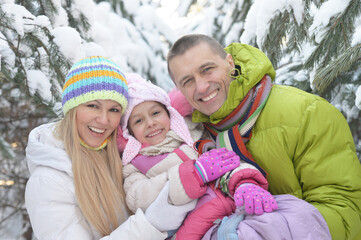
{"x":188,"y":41}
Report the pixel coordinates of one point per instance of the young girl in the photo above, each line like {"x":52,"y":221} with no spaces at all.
{"x":75,"y":188}
{"x":157,"y":142}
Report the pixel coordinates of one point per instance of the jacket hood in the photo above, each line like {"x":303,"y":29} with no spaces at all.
{"x":141,"y":90}
{"x":45,"y":150}
{"x":253,"y":65}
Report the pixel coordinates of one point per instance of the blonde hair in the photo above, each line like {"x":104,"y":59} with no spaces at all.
{"x":98,"y":177}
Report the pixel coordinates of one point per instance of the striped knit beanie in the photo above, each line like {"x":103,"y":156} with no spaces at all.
{"x":94,"y":78}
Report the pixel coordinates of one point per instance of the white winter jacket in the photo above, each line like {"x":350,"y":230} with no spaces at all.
{"x":50,"y":196}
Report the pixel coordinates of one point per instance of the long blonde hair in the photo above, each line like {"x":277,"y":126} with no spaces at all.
{"x":98,"y":177}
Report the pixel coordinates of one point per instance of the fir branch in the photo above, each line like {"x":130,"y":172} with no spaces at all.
{"x":326,"y":75}
{"x":284,"y":27}
{"x":336,"y":40}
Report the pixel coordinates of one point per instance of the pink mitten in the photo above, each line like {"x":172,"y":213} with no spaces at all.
{"x":213,"y":164}
{"x":256,"y":200}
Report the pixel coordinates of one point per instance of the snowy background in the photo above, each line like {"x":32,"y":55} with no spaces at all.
{"x":314,"y":45}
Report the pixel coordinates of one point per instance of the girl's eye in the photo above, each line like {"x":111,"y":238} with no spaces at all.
{"x":137,"y":121}
{"x":156,"y":113}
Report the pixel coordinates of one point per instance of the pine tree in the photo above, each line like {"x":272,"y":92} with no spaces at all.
{"x":151,"y":34}
{"x":30,"y":48}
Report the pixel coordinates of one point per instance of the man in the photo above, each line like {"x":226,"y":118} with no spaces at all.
{"x":300,"y":140}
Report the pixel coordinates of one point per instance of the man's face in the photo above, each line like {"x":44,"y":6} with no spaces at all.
{"x":202,"y":76}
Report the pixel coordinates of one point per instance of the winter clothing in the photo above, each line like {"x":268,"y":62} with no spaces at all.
{"x":172,"y":160}
{"x":255,"y":199}
{"x":50,"y":196}
{"x":236,"y":129}
{"x":140,"y":91}
{"x":208,"y":171}
{"x":295,"y":219}
{"x":147,"y":173}
{"x":94,"y":78}
{"x":300,"y":140}
{"x":159,"y":208}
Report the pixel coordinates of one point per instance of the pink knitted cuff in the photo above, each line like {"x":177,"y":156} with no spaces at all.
{"x":247,"y":176}
{"x":192,"y":184}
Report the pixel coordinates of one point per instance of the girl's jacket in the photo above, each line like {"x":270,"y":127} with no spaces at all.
{"x":172,"y":161}
{"x":50,"y":196}
{"x":303,"y":143}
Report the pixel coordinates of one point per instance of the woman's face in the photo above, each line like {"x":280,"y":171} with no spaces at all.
{"x":96,"y":120}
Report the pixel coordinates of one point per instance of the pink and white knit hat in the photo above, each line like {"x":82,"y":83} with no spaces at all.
{"x":140,"y":91}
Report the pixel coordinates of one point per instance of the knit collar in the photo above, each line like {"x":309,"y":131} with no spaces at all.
{"x":171,"y":142}
{"x":103,"y":145}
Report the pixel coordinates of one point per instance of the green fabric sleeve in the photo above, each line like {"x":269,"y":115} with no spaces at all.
{"x":328,"y":168}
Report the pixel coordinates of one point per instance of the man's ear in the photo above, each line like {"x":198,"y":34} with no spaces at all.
{"x":230,"y":61}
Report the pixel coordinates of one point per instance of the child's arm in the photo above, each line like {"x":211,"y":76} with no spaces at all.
{"x":140,"y":190}
{"x":249,"y":188}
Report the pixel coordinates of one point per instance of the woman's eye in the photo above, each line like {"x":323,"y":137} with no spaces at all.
{"x":91,"y":105}
{"x":114,"y":110}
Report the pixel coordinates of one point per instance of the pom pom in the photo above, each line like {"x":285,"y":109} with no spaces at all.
{"x":179,"y":102}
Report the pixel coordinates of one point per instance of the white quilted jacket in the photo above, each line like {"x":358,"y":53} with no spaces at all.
{"x":50,"y":196}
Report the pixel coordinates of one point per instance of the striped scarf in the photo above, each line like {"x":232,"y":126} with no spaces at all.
{"x":234,"y":131}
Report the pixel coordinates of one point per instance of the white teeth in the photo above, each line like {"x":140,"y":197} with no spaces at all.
{"x":96,"y":130}
{"x":153,"y":134}
{"x":212,"y":95}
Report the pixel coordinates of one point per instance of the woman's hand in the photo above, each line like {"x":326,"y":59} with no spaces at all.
{"x":165,"y":216}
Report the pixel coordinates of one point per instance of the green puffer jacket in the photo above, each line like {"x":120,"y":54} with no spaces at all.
{"x":303,"y":143}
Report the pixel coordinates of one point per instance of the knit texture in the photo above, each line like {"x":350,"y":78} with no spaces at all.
{"x":94,"y":78}
{"x":140,"y":91}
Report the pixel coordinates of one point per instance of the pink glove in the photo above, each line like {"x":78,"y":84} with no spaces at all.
{"x":256,"y":200}
{"x":213,"y":164}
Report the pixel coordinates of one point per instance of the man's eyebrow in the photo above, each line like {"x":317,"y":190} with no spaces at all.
{"x":206,"y":65}
{"x":199,"y":68}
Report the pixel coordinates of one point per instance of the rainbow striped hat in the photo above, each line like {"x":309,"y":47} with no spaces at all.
{"x":94,"y":78}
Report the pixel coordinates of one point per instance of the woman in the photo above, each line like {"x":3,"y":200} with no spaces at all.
{"x":75,"y":190}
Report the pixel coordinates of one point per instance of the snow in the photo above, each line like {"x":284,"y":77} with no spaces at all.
{"x":356,"y":39}
{"x":131,"y":6}
{"x":134,"y":49}
{"x":60,"y":17}
{"x":323,"y":15}
{"x":358,"y":98}
{"x":39,"y":83}
{"x":69,"y":42}
{"x":261,"y":13}
{"x":19,"y":14}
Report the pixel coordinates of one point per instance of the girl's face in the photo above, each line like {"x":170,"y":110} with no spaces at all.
{"x":96,"y":120}
{"x":149,"y":122}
